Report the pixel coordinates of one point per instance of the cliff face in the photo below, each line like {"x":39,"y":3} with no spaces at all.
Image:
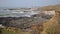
{"x":53,"y":25}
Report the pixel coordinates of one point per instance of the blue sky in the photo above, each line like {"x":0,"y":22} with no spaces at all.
{"x":27,"y":3}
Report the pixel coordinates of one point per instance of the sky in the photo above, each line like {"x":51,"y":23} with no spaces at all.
{"x":27,"y":3}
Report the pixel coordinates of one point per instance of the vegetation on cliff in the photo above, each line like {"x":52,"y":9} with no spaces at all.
{"x":53,"y":25}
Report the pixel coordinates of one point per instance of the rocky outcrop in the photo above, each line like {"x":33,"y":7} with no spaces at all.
{"x":24,"y":22}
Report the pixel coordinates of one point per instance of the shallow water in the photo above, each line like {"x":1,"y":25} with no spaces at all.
{"x":11,"y":13}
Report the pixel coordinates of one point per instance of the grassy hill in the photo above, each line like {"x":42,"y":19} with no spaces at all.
{"x":53,"y":25}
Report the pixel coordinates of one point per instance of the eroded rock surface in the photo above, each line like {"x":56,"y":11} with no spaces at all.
{"x":25,"y":22}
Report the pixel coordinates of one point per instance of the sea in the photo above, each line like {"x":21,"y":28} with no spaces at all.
{"x":15,"y":13}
